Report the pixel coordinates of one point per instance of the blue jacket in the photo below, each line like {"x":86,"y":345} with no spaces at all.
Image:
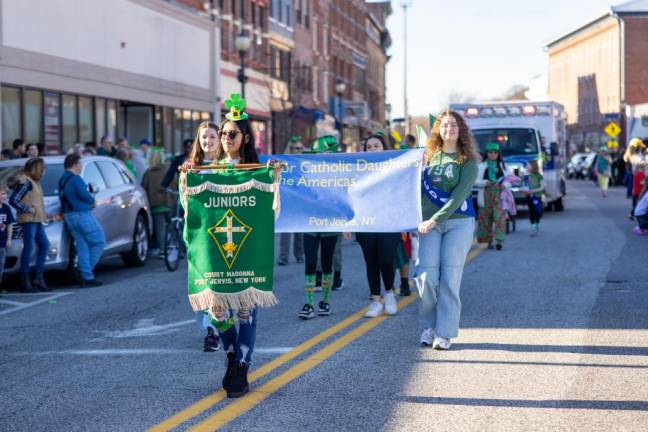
{"x":74,"y":194}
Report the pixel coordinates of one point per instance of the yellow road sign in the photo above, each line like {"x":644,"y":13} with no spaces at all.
{"x":612,"y":129}
{"x":613,"y":144}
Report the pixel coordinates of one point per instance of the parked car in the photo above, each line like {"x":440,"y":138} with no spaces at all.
{"x":575,"y":167}
{"x":121,"y":208}
{"x":588,"y":165}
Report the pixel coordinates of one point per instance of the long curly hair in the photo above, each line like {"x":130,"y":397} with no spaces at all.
{"x":197,"y":156}
{"x":465,"y":142}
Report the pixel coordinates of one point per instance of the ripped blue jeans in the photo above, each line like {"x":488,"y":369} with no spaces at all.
{"x":238,"y":340}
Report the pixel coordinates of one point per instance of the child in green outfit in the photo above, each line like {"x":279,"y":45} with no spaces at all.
{"x":533,"y":192}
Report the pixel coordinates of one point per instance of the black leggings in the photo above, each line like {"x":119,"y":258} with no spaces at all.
{"x":311,"y":244}
{"x":534,"y":216}
{"x":379,"y":250}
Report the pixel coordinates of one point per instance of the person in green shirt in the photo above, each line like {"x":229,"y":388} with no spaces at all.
{"x":533,"y":187}
{"x":603,"y":169}
{"x":447,"y":230}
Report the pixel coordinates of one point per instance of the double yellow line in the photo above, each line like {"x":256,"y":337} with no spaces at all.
{"x":240,"y":406}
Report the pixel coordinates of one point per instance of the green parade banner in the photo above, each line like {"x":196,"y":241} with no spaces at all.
{"x":229,"y":232}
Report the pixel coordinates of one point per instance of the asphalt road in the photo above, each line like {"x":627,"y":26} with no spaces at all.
{"x":554,"y":337}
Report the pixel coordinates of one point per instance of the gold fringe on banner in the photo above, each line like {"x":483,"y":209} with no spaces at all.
{"x":231,"y":189}
{"x":249,"y":298}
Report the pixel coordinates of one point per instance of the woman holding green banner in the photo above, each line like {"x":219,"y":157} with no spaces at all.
{"x":446,"y":233}
{"x":226,"y":305}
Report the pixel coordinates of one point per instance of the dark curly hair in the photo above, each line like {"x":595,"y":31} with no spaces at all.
{"x":465,"y":143}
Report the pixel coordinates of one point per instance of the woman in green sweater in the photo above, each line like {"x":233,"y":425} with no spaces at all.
{"x":446,"y":233}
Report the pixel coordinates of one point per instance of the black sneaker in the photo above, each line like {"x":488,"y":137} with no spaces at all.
{"x":405,"y":291}
{"x":282,"y":262}
{"x":90,"y":283}
{"x":212,"y":341}
{"x":307,"y":312}
{"x":324,"y":309}
{"x":300,"y":260}
{"x":338,"y":282}
{"x":498,"y":246}
{"x":238,"y":385}
{"x":227,"y":378}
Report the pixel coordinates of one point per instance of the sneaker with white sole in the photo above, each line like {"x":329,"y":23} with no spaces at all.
{"x":375,"y":310}
{"x":390,"y":303}
{"x":427,"y":337}
{"x":441,"y":343}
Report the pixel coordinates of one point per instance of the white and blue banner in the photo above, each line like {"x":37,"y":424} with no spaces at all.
{"x":352,"y":192}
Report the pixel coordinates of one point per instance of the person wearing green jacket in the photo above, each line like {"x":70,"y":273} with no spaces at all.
{"x":446,"y":233}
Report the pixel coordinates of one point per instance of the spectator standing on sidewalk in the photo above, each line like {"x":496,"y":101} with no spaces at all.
{"x":446,"y":233}
{"x":177,"y":162}
{"x":27,"y":198}
{"x":6,"y":227}
{"x":126,"y":155}
{"x":378,"y":250}
{"x":77,"y":204}
{"x":19,"y":149}
{"x":159,"y":200}
{"x":106,"y":147}
{"x":603,"y":169}
{"x":32,"y":150}
{"x":295,"y":146}
{"x":140,"y":159}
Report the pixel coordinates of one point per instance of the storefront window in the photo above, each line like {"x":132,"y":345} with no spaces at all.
{"x":195,"y":120}
{"x":158,"y":127}
{"x":100,"y":117}
{"x":52,"y":122}
{"x":111,"y":119}
{"x":206,"y":116}
{"x":10,"y":116}
{"x":69,"y":112}
{"x":33,"y":116}
{"x":177,"y":129}
{"x":187,"y":127}
{"x":86,"y":129}
{"x":167,"y":124}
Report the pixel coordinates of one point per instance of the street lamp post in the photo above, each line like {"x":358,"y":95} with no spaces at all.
{"x":242,"y":44}
{"x":340,"y":88}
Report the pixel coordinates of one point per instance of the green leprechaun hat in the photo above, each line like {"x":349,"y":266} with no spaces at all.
{"x":235,"y":104}
{"x":324,"y":144}
{"x":492,"y":146}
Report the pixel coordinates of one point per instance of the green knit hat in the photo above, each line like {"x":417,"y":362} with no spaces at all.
{"x":324,"y":144}
{"x":492,"y":146}
{"x":235,"y":104}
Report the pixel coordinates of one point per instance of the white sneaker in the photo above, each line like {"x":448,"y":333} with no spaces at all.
{"x":427,"y":336}
{"x":390,"y":303}
{"x":375,"y":310}
{"x":441,"y":343}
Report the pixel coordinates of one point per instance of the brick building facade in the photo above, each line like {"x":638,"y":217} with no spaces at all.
{"x":598,"y":70}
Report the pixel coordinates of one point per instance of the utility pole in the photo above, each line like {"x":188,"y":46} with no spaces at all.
{"x":405,"y":4}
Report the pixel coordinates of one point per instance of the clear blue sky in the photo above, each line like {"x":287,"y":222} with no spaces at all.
{"x":475,"y":47}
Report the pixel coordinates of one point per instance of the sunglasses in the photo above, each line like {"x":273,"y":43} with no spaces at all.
{"x":230,"y":134}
